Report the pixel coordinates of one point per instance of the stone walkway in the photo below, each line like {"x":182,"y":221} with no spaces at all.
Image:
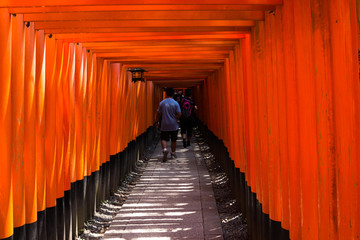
{"x":172,"y":200}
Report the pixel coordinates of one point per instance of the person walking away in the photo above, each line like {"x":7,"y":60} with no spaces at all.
{"x":180,"y":96}
{"x":168,"y":113}
{"x":187,"y":119}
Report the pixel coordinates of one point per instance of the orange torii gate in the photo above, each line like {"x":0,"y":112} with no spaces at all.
{"x":277,"y":82}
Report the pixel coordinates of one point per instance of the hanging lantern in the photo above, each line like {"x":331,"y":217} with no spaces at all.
{"x":137,"y":74}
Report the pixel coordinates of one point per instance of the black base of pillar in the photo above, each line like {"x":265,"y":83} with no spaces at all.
{"x":260,"y":226}
{"x":60,"y":211}
{"x":41,"y":225}
{"x":74,"y":225}
{"x":68,"y":215}
{"x":51,"y":223}
{"x":63,"y":221}
{"x":31,"y":231}
{"x":20,"y":233}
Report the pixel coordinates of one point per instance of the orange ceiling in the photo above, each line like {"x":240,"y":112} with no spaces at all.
{"x":179,"y":42}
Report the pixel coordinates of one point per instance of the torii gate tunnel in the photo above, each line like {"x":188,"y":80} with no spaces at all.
{"x":276,"y":81}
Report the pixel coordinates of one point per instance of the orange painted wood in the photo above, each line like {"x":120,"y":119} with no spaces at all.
{"x":50,"y":124}
{"x":146,"y":15}
{"x":292,"y":122}
{"x":283,"y":128}
{"x":116,"y":30}
{"x":307,"y":118}
{"x":114,"y":101}
{"x":90,"y":113}
{"x":144,"y":23}
{"x":66,"y":116}
{"x":228,"y":117}
{"x":345,"y":81}
{"x":30,"y":174}
{"x":240,"y":104}
{"x":6,"y":198}
{"x":98,"y":115}
{"x":140,"y":7}
{"x":165,"y":43}
{"x":272,"y":98}
{"x":71,"y":118}
{"x":40,"y":120}
{"x":17,"y":115}
{"x":249,"y":115}
{"x":59,"y":139}
{"x":325,"y":123}
{"x":261,"y":81}
{"x":79,"y":110}
{"x":84,"y":38}
{"x":14,"y":3}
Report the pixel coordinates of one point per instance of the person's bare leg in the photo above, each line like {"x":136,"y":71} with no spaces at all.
{"x":173,"y":147}
{"x":163,"y":144}
{"x":165,"y":151}
{"x":184,"y":139}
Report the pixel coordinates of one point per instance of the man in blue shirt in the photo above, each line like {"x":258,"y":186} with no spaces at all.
{"x":168,"y":113}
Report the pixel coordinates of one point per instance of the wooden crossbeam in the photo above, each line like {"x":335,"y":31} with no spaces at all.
{"x":152,"y":38}
{"x":197,"y":29}
{"x":48,"y":3}
{"x":142,"y":7}
{"x":146,"y":15}
{"x":142,"y":23}
{"x":190,"y":42}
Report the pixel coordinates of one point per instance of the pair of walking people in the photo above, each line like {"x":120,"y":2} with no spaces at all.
{"x":169,"y":112}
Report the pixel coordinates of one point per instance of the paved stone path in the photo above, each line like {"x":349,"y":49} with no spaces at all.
{"x":172,"y":200}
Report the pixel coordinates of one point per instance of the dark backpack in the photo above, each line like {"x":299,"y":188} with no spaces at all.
{"x":186,"y":107}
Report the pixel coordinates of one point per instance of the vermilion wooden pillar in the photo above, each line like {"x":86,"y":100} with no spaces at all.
{"x":307,"y":118}
{"x":282,"y":115}
{"x":292,"y":121}
{"x":345,"y":78}
{"x":272,"y":98}
{"x":17,"y":114}
{"x":79,"y":98}
{"x":40,"y":132}
{"x":325,"y":122}
{"x":249,"y":115}
{"x":50,"y":136}
{"x":59,"y":139}
{"x":29,"y":133}
{"x":114,"y":101}
{"x":90,"y":103}
{"x":6,"y":198}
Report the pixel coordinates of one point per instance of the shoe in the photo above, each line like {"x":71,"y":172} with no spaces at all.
{"x":173,"y":155}
{"x":188,"y":143}
{"x":184,"y":143}
{"x":165,"y":153}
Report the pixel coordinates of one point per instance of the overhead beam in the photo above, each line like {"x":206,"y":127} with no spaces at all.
{"x":184,"y":54}
{"x":144,"y":62}
{"x":142,"y":7}
{"x":164,"y":49}
{"x":48,"y":3}
{"x":172,"y":66}
{"x":176,"y":79}
{"x":142,"y":23}
{"x":146,"y":15}
{"x":162,"y":58}
{"x":198,"y":29}
{"x":151,"y":38}
{"x":190,"y":42}
{"x":143,"y":33}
